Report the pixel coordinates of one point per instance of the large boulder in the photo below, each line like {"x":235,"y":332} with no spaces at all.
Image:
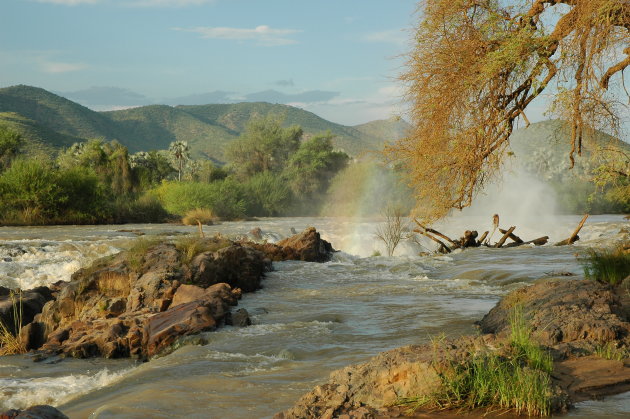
{"x":574,"y":319}
{"x":306,"y":246}
{"x":128,"y":305}
{"x":568,"y":314}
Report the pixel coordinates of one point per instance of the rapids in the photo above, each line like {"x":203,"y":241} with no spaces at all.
{"x":309,"y":319}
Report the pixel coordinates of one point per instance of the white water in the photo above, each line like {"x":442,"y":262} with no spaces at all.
{"x":309,"y":319}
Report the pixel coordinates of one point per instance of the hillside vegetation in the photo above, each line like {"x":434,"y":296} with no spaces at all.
{"x":208,"y":129}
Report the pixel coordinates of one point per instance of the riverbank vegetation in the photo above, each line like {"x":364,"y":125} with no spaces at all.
{"x":516,"y":377}
{"x":272,"y":171}
{"x":607,"y":265}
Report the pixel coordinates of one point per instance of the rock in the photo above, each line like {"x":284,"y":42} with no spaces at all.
{"x":113,"y":310}
{"x":571,"y":317}
{"x":239,"y":318}
{"x":567,"y":314}
{"x":237,"y":265}
{"x":34,"y":412}
{"x":306,"y":246}
{"x":28,"y":305}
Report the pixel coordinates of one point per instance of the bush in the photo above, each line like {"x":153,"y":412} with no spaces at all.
{"x":224,"y":198}
{"x":146,"y":209}
{"x":202,"y":215}
{"x":607,"y":265}
{"x":268,"y":194}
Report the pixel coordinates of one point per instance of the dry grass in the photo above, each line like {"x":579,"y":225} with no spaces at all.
{"x":199,"y":215}
{"x":11,"y":342}
{"x":191,"y":246}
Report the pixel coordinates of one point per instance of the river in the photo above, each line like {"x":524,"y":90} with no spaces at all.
{"x":308,"y":319}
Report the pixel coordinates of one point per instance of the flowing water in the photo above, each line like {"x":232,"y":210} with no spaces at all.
{"x":309,"y":319}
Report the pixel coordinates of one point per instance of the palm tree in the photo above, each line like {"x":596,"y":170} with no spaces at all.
{"x":180,"y":152}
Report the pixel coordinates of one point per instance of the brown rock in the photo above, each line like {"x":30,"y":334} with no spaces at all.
{"x":306,"y":246}
{"x":28,"y":304}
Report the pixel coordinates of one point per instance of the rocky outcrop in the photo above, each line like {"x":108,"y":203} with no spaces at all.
{"x":570,"y":315}
{"x":571,"y":318}
{"x":140,"y":305}
{"x":34,"y":412}
{"x":307,"y":246}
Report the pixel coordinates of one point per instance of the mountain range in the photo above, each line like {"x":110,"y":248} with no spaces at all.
{"x":51,"y":120}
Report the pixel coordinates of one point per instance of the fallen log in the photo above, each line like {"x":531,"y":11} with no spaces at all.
{"x":505,"y":237}
{"x":443,"y":248}
{"x":482,"y":238}
{"x":512,"y":236}
{"x":537,"y":242}
{"x":574,"y":237}
{"x":437,"y":233}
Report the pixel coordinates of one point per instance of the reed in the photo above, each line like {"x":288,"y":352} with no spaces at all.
{"x":11,"y":341}
{"x":518,"y":379}
{"x":607,"y":265}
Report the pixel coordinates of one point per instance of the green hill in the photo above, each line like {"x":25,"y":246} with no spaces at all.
{"x":51,"y":119}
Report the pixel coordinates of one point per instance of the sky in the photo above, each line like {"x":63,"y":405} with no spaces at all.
{"x":336,"y":58}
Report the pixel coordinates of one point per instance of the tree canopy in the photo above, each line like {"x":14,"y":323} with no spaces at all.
{"x":477,"y":65}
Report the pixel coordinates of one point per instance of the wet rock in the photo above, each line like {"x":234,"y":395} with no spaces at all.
{"x":567,"y":314}
{"x":307,"y":246}
{"x":572,"y":318}
{"x":237,"y":265}
{"x":26,"y":305}
{"x":239,"y":318}
{"x":115,"y":310}
{"x":34,"y":412}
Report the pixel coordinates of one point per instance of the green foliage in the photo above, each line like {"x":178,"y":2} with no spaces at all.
{"x":517,"y":380}
{"x":10,"y":142}
{"x":607,"y":265}
{"x":264,"y":146}
{"x":225,"y":198}
{"x":312,"y":166}
{"x":150,"y":168}
{"x":267,"y":194}
{"x":136,"y":254}
{"x":180,"y":153}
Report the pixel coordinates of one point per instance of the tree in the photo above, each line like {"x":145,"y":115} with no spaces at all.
{"x":310,"y":169}
{"x":180,"y":152}
{"x":264,"y":146}
{"x":475,"y":68}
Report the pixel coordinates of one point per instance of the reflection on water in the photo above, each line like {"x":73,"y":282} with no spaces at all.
{"x":309,"y":319}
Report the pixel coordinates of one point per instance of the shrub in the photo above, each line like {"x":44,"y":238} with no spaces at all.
{"x":268,"y":194}
{"x":202,"y":215}
{"x":224,"y":198}
{"x":607,"y":265}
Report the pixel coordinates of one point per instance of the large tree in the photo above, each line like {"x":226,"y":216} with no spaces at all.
{"x":477,"y":65}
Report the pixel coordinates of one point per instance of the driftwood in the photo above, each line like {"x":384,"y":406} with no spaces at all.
{"x":437,"y":233}
{"x":482,"y":238}
{"x":574,"y":237}
{"x":512,"y":236}
{"x":538,"y":242}
{"x":505,"y":237}
{"x":443,"y":248}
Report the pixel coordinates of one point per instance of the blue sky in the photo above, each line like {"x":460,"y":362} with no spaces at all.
{"x":337,"y":58}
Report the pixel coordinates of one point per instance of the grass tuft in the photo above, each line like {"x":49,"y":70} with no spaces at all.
{"x":191,"y":246}
{"x":607,"y":265}
{"x":11,"y":341}
{"x":518,"y":379}
{"x":203,"y":215}
{"x":138,"y":251}
{"x":610,"y":351}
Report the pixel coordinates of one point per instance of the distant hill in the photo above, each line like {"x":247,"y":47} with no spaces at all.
{"x":51,"y":119}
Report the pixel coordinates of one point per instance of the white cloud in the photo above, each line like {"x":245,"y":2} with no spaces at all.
{"x":69,"y":2}
{"x":56,"y":67}
{"x":263,"y":34}
{"x":393,"y":36}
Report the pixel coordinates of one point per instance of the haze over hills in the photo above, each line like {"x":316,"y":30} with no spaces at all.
{"x":51,"y":119}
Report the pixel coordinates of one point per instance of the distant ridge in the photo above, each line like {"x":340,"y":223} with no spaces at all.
{"x":57,"y":122}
